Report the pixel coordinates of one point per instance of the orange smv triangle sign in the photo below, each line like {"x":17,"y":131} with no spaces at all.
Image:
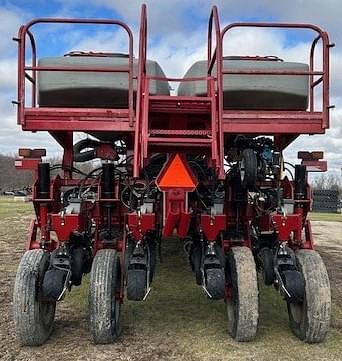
{"x":176,"y":174}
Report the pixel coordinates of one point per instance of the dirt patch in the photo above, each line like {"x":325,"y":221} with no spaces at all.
{"x":328,"y":240}
{"x":327,"y":234}
{"x":176,"y":322}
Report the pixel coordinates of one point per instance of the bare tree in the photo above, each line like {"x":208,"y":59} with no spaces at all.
{"x":328,"y":181}
{"x":12,"y":178}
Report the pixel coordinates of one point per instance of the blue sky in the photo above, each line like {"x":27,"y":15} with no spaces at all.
{"x":177,"y":38}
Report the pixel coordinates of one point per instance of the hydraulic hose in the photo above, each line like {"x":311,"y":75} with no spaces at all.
{"x":79,"y":155}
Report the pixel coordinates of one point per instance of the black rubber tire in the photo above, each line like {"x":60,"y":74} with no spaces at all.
{"x":77,"y":265}
{"x":215,"y":283}
{"x":310,"y":319}
{"x":266,"y":257}
{"x":104,"y":307}
{"x":243,"y":307}
{"x":53,"y":284}
{"x":136,"y":284}
{"x":249,"y":165}
{"x":33,"y":316}
{"x":294,"y":283}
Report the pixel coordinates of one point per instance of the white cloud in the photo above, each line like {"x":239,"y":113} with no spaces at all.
{"x":8,"y":73}
{"x":104,"y":41}
{"x":12,"y":138}
{"x":9,"y":25}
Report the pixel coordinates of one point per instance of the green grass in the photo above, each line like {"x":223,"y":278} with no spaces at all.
{"x":329,"y":217}
{"x":178,"y":311}
{"x":11,"y":208}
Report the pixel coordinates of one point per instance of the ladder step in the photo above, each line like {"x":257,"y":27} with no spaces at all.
{"x":189,"y":142}
{"x":196,"y":132}
{"x":179,"y":104}
{"x":179,"y":98}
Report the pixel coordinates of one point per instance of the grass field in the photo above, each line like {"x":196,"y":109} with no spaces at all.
{"x":178,"y":310}
{"x":326,"y":217}
{"x":176,"y":322}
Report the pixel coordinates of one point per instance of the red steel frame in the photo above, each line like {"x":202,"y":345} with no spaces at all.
{"x":283,"y":124}
{"x":216,"y":127}
{"x":69,"y":119}
{"x":179,"y":136}
{"x":277,"y":123}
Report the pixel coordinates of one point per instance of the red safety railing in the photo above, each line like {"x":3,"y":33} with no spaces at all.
{"x":214,"y":24}
{"x":140,"y":89}
{"x":23,"y":68}
{"x":216,"y":56}
{"x":143,"y":101}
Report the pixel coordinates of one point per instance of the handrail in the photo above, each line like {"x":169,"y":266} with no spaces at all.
{"x":324,"y":73}
{"x":217,"y":54}
{"x":34,"y":63}
{"x":218,"y":89}
{"x":22,"y":67}
{"x":173,"y":79}
{"x":141,"y":75}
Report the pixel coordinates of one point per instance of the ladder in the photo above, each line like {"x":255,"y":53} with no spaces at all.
{"x":181,"y":124}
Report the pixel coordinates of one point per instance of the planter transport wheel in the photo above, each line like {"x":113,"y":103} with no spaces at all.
{"x":310,"y":319}
{"x":104,"y":306}
{"x":242,"y":306}
{"x":33,"y":315}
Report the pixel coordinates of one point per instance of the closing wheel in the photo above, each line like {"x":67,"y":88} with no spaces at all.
{"x":77,"y":265}
{"x":104,"y":305}
{"x":242,"y":305}
{"x":266,"y":257}
{"x":33,"y":316}
{"x":136,"y":284}
{"x":248,"y":169}
{"x":215,"y":283}
{"x":310,"y":319}
{"x":53,"y":284}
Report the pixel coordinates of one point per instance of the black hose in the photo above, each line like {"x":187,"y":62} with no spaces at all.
{"x":72,"y":169}
{"x":90,"y":154}
{"x":85,"y":178}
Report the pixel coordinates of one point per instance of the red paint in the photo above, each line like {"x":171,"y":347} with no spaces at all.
{"x":140,"y":224}
{"x":64,"y":225}
{"x":284,"y":225}
{"x":213,"y":225}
